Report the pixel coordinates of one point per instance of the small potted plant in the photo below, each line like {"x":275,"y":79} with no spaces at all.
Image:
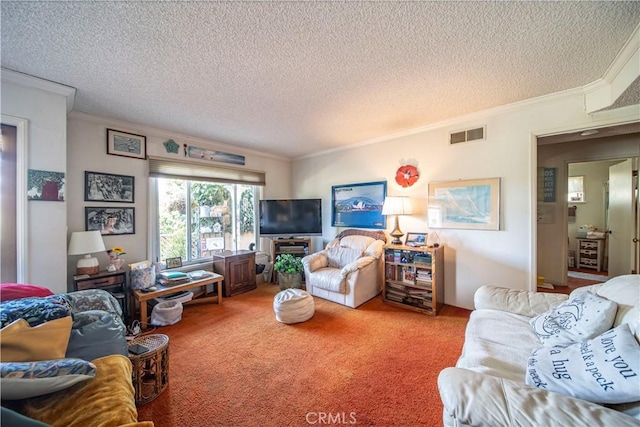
{"x":289,"y":268}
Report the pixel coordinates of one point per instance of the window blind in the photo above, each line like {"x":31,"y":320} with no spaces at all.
{"x":195,"y":171}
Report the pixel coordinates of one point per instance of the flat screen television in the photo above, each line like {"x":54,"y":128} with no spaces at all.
{"x":291,"y":218}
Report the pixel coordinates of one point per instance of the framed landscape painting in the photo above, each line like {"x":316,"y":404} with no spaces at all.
{"x":126,"y":144}
{"x":107,"y":187}
{"x":358,"y":205}
{"x":470,"y":204}
{"x":110,"y":220}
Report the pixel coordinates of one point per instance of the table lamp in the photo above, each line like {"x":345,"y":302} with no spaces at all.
{"x":86,"y":243}
{"x":399,"y":205}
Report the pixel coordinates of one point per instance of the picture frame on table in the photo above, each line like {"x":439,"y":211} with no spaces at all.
{"x":416,"y":240}
{"x":472,"y":204}
{"x":174,"y":262}
{"x":358,"y":205}
{"x":107,"y":187}
{"x":110,"y":220}
{"x":126,"y":144}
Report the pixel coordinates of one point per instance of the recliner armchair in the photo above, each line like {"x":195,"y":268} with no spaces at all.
{"x":349,"y":270}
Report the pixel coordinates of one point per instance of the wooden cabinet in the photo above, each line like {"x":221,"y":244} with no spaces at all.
{"x":414,"y":278}
{"x":590,"y":253}
{"x":113,"y":282}
{"x":297,"y":247}
{"x":238,"y":269}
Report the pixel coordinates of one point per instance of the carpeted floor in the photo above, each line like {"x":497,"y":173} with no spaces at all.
{"x":234,"y":365}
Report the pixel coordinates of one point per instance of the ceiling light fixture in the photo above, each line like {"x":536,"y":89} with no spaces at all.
{"x":589,"y":132}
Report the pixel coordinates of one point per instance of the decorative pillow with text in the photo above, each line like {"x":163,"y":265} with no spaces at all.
{"x":582,"y":317}
{"x":605,"y":369}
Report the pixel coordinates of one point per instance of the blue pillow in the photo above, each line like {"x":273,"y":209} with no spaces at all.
{"x":15,"y":419}
{"x":35,"y":310}
{"x":20,"y":380}
{"x":96,"y":333}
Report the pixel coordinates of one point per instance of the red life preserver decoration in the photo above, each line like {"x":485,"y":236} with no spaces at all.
{"x":407,"y":175}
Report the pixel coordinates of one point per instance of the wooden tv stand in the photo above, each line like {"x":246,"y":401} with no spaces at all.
{"x":299,"y":247}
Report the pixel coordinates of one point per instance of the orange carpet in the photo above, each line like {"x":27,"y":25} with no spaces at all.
{"x":235,"y":365}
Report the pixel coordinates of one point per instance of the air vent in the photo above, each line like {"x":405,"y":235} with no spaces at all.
{"x":467,"y":135}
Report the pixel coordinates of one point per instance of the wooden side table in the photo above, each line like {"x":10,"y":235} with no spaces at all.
{"x":199,"y":296}
{"x":238,"y":269}
{"x":150,"y":374}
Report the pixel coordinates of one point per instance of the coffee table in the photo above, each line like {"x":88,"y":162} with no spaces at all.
{"x":199,"y":296}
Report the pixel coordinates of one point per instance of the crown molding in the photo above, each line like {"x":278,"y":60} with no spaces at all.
{"x":624,"y":69}
{"x":467,"y":120}
{"x":31,"y":82}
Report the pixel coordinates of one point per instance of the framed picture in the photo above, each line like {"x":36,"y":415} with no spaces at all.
{"x":470,"y":204}
{"x":106,"y":187}
{"x":110,"y":221}
{"x":126,"y":144}
{"x":358,"y":205}
{"x":45,"y":185}
{"x":416,"y":239}
{"x":174,"y":262}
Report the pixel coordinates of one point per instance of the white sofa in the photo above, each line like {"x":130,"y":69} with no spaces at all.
{"x":349,"y":270}
{"x":488,"y":387}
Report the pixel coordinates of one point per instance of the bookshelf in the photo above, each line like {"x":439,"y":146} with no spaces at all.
{"x":414,"y":278}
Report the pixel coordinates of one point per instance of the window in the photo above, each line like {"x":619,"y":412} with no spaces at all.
{"x":576,"y":189}
{"x":196,"y":218}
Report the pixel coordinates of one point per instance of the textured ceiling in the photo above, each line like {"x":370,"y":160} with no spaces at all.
{"x":295,"y":78}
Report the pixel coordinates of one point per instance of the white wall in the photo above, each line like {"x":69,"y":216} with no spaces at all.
{"x":472,"y":258}
{"x":87,"y":152}
{"x":44,"y":105}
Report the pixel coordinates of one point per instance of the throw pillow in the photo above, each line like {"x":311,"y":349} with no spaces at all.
{"x":34,"y":310}
{"x":10,"y":291}
{"x":340,"y":256}
{"x":577,"y":319}
{"x":20,"y":380}
{"x":605,"y":369}
{"x":96,"y":333}
{"x":20,"y":342}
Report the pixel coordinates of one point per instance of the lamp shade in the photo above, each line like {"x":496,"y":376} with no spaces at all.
{"x":397,"y":205}
{"x":86,"y":243}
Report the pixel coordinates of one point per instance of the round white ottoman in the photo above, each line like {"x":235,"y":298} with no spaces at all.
{"x":293,"y":306}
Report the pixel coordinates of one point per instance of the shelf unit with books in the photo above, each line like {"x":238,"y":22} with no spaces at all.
{"x":414,"y":278}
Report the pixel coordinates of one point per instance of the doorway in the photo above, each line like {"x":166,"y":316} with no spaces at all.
{"x":8,"y":150}
{"x":557,"y":152}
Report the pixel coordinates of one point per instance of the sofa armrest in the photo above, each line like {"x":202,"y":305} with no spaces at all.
{"x":356,"y":265}
{"x":516,"y":301}
{"x":315,"y":261}
{"x":476,"y":399}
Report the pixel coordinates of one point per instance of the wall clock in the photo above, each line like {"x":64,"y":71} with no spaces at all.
{"x":407,"y":175}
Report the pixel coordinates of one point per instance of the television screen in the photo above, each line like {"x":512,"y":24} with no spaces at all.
{"x":290,"y":218}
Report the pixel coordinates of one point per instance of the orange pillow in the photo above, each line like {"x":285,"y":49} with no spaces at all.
{"x":20,"y":342}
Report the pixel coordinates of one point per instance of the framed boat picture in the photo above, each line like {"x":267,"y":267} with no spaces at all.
{"x":358,"y":205}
